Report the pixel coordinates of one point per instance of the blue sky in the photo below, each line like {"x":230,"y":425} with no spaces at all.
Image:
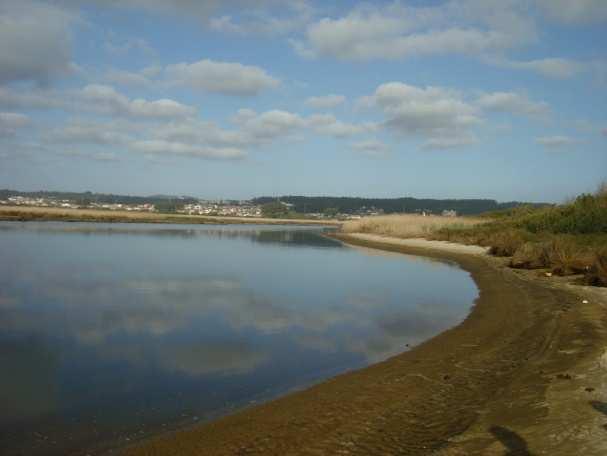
{"x":504,"y":99}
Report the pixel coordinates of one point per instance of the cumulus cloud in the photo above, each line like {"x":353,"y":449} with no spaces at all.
{"x":35,"y":42}
{"x":325,"y":102}
{"x":95,"y":98}
{"x":10,"y":122}
{"x":186,"y":138}
{"x":553,"y":142}
{"x":397,"y":31}
{"x":327,"y":124}
{"x":438,"y":115}
{"x":106,"y":100}
{"x":168,"y":148}
{"x":220,"y":77}
{"x":514,"y":103}
{"x":202,"y":132}
{"x":268,"y":125}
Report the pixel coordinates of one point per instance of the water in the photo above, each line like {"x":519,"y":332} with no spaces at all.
{"x":112,"y":332}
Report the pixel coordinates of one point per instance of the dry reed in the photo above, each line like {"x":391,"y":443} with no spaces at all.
{"x":407,"y":225}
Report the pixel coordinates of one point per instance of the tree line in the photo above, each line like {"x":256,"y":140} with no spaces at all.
{"x":350,"y":205}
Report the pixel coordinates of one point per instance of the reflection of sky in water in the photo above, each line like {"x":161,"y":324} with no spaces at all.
{"x":111,"y":330}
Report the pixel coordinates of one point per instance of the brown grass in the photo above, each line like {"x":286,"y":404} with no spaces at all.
{"x":407,"y":225}
{"x":29,"y":213}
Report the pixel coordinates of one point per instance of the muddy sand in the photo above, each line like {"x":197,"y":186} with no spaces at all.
{"x":525,"y":373}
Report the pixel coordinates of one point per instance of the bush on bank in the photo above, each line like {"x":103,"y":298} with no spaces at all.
{"x":566,"y":239}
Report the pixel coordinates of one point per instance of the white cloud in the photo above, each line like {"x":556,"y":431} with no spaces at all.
{"x":575,"y":11}
{"x":397,"y":31}
{"x":196,"y":131}
{"x":268,"y":125}
{"x":513,"y":103}
{"x":220,"y":77}
{"x":435,"y":114}
{"x":106,"y":100}
{"x":35,"y":42}
{"x":325,"y":102}
{"x":327,"y":124}
{"x":557,"y":68}
{"x":552,"y":142}
{"x":167,"y":148}
{"x":94,"y":98}
{"x":10,"y":122}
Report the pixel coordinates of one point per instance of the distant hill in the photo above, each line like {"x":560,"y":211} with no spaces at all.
{"x":311,"y":204}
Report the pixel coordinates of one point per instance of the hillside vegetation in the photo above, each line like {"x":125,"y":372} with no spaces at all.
{"x":352,"y":205}
{"x":566,"y":239}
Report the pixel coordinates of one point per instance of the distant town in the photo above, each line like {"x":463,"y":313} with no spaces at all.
{"x":232,"y":208}
{"x":312,"y":207}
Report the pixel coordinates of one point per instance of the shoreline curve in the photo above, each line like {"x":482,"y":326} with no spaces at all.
{"x":524,"y":372}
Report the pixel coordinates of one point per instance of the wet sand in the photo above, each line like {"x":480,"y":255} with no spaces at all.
{"x":525,"y":373}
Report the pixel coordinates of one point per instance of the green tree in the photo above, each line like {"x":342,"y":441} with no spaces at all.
{"x":167,"y":206}
{"x":274,"y":209}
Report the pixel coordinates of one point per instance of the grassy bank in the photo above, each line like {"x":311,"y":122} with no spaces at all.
{"x":566,"y":239}
{"x":27,"y":213}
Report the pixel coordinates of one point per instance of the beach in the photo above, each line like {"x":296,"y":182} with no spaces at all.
{"x":524,"y":373}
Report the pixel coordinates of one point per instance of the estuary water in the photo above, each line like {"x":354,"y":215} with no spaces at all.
{"x":110,"y":333}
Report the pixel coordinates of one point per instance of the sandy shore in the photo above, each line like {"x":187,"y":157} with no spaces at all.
{"x":441,"y":246}
{"x":525,"y":373}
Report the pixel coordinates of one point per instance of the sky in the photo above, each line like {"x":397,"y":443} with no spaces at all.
{"x":503,"y":99}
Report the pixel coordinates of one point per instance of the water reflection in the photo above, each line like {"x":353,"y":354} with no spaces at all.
{"x":114,"y":331}
{"x":293,"y":235}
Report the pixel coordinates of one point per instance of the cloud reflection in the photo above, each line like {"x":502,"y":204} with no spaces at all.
{"x":157,"y":311}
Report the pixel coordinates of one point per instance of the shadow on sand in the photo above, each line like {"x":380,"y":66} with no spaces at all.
{"x":514,"y":443}
{"x":600,"y":407}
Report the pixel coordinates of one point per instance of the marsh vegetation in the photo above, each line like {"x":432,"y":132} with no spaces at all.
{"x":565,"y":239}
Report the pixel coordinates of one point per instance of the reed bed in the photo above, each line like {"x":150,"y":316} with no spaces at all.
{"x":408,"y":225}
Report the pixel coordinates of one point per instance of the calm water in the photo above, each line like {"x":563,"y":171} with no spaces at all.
{"x":111,"y":332}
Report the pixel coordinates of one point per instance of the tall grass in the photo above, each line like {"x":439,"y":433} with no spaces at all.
{"x":407,"y":225}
